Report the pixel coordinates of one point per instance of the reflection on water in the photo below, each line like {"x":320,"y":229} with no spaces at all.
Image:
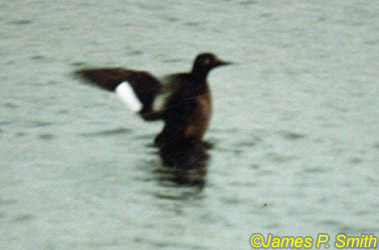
{"x":183,"y":166}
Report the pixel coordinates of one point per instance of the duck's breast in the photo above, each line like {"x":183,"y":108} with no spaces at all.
{"x":199,"y":120}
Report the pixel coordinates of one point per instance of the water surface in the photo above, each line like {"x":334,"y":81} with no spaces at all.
{"x":295,"y":127}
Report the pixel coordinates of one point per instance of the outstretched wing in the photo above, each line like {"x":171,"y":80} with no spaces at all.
{"x":137,"y":89}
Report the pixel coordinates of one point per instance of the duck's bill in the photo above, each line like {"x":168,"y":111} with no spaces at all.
{"x":223,"y":63}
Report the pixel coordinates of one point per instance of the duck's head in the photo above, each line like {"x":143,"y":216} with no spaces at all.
{"x":205,"y":62}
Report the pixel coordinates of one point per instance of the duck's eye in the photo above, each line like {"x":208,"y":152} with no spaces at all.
{"x":207,"y":61}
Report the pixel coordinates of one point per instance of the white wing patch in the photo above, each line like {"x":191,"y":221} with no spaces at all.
{"x":160,"y":102}
{"x":127,"y":95}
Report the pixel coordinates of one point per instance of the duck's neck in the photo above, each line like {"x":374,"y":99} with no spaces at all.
{"x":200,"y":73}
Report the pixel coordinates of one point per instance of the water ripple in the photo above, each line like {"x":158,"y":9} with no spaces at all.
{"x":21,"y":22}
{"x":111,"y":132}
{"x":292,"y":136}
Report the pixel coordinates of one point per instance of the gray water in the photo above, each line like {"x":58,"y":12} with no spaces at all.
{"x":295,"y":127}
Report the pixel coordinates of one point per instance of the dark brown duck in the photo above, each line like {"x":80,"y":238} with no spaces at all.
{"x":182,"y":100}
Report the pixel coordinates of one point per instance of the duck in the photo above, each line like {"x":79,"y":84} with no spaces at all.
{"x":181,"y":100}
